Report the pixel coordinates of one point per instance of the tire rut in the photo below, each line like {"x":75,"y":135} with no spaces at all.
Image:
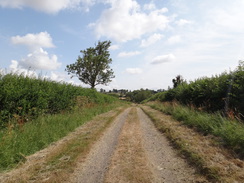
{"x":132,"y":150}
{"x":96,"y":164}
{"x":166,"y":165}
{"x":129,"y":162}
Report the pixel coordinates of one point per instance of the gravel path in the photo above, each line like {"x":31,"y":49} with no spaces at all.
{"x":165,"y":164}
{"x":129,"y":162}
{"x":132,"y":145}
{"x":96,"y":164}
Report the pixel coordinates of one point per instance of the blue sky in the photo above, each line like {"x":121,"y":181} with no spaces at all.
{"x":152,"y":41}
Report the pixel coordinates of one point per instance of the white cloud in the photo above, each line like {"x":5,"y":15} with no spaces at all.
{"x":14,"y":67}
{"x":149,"y":6}
{"x":183,"y":22}
{"x":174,"y":39}
{"x":151,"y":40}
{"x":86,"y":4}
{"x":2,"y":72}
{"x":134,"y":70}
{"x":55,"y":77}
{"x":40,"y":60}
{"x":47,"y":6}
{"x":129,"y":54}
{"x":34,"y":41}
{"x":112,"y":85}
{"x":59,"y":76}
{"x":229,"y":18}
{"x":125,"y":21}
{"x":114,"y":47}
{"x":163,"y":58}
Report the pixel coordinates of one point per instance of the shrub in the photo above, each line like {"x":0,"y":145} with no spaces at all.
{"x":224,"y":93}
{"x":23,"y":97}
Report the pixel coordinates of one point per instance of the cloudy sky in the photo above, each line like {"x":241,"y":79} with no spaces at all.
{"x":152,"y":40}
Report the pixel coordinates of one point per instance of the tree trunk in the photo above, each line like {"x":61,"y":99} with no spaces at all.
{"x":92,"y":85}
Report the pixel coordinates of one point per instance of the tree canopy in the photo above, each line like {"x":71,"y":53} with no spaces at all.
{"x":177,"y":81}
{"x":93,"y":67}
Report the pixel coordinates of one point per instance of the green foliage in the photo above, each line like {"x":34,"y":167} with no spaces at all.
{"x":224,"y":92}
{"x":177,"y":81}
{"x":139,"y":95}
{"x":229,"y":131}
{"x":236,"y":91}
{"x":24,"y":98}
{"x":93,"y":67}
{"x":15,"y":144}
{"x":52,"y":110}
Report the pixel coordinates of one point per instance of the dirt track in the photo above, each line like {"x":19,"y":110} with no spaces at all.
{"x":132,"y":150}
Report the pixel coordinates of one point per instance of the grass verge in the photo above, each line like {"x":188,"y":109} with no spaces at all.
{"x":16,"y":144}
{"x":229,"y":132}
{"x":193,"y":158}
{"x":61,"y":163}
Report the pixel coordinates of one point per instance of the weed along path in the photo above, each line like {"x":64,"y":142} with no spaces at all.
{"x":120,"y":146}
{"x":132,"y":150}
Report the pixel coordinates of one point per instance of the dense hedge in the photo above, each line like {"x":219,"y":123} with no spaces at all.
{"x":224,"y":92}
{"x":30,"y":97}
{"x":138,"y":96}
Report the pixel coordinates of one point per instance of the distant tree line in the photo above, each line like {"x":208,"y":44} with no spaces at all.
{"x":136,"y":96}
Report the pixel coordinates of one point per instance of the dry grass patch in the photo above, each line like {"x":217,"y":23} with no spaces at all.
{"x":215,"y":162}
{"x":57,"y":162}
{"x":129,"y":162}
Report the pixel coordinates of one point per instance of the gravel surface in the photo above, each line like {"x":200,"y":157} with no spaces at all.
{"x":96,"y":164}
{"x":129,"y":162}
{"x":126,"y":149}
{"x":129,"y":150}
{"x":165,"y":164}
{"x":161,"y":160}
{"x":43,"y":166}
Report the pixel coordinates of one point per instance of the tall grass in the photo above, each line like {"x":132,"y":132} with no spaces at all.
{"x":230,"y":132}
{"x":16,"y":143}
{"x":224,"y":92}
{"x":35,"y":112}
{"x":24,"y":98}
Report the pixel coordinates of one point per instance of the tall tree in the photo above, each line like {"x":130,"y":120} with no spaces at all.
{"x":93,"y":67}
{"x":177,"y":81}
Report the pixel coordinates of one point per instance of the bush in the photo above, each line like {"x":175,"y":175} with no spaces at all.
{"x":224,"y":93}
{"x":138,"y":96}
{"x":23,"y":97}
